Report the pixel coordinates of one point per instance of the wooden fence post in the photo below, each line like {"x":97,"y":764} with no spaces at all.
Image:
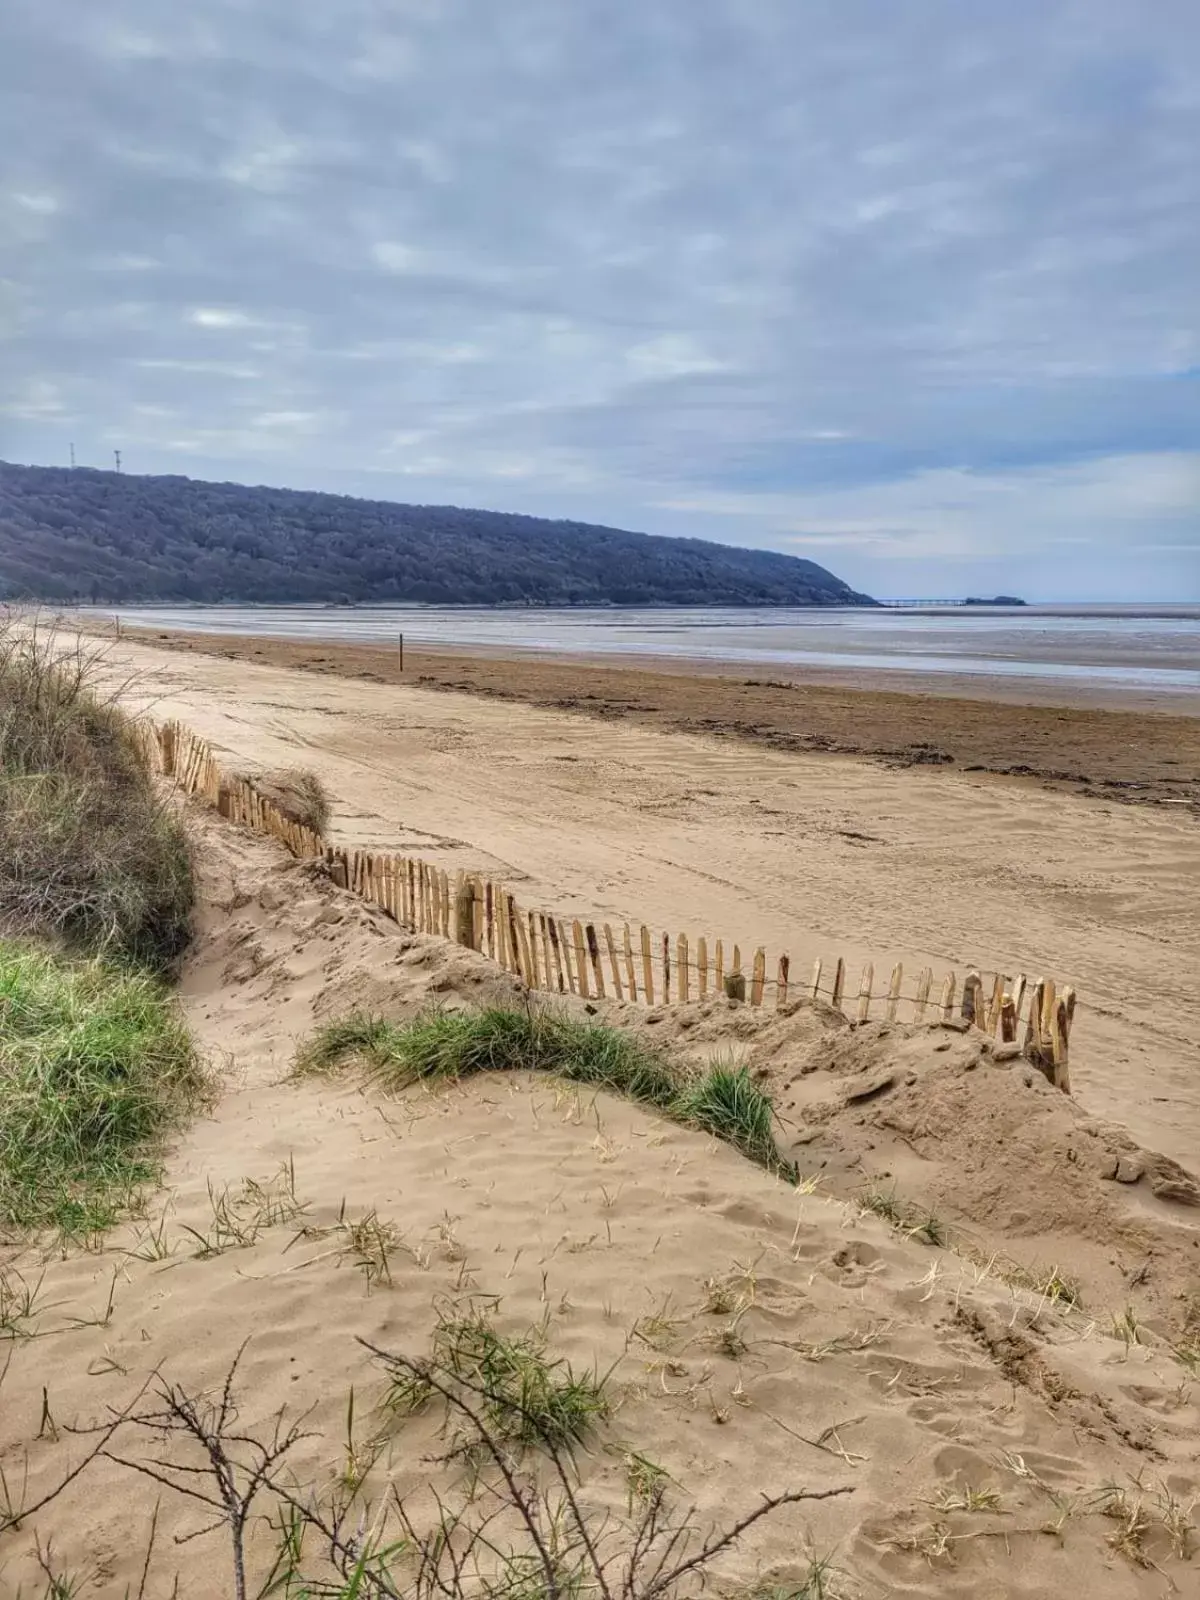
{"x":894,"y":991}
{"x":924,"y":982}
{"x":839,"y":983}
{"x":647,"y":966}
{"x":864,"y":992}
{"x":781,"y":983}
{"x":702,"y":966}
{"x":612,"y":962}
{"x":630,"y":971}
{"x":681,"y":967}
{"x":759,"y":978}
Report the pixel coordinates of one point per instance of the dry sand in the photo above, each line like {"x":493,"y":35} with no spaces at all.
{"x":864,"y":1358}
{"x":809,"y":853}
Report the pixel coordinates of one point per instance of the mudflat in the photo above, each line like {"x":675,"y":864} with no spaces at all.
{"x":1135,"y":745}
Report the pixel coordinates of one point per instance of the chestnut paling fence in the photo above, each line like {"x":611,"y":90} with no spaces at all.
{"x":623,"y":962}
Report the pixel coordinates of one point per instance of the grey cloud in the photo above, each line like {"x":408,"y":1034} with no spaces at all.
{"x":607,"y":260}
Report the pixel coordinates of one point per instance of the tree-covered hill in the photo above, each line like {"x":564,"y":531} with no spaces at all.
{"x":105,"y":536}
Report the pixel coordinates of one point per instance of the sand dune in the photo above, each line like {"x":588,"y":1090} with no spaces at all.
{"x":861,"y":1357}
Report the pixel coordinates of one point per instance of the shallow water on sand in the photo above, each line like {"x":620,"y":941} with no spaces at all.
{"x":1132,"y":646}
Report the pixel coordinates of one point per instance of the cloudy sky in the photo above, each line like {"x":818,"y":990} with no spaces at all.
{"x":912,"y":289}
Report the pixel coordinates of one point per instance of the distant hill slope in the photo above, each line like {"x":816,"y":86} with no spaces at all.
{"x":106,"y":536}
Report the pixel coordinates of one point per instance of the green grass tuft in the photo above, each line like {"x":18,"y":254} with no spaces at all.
{"x":726,"y":1102}
{"x":96,"y":1067}
{"x":456,"y":1044}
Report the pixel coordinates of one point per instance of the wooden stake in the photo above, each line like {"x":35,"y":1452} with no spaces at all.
{"x":551,"y":928}
{"x":528,"y":964}
{"x":1059,"y":1029}
{"x":948,"y":989}
{"x":1032,"y":1047}
{"x":993,"y":1016}
{"x":647,"y":966}
{"x":489,"y":920}
{"x":534,"y":972}
{"x":565,"y":945}
{"x":612,"y":962}
{"x":1018,"y":994}
{"x":758,"y":977}
{"x":839,"y":983}
{"x":894,"y":991}
{"x":593,"y":948}
{"x":553,"y":980}
{"x":464,"y":912}
{"x":1049,"y":998}
{"x":1008,"y":1020}
{"x":923,"y":985}
{"x":702,"y":966}
{"x":630,"y":972}
{"x":719,"y":967}
{"x":666,"y":965}
{"x":972,"y":999}
{"x":681,"y":966}
{"x":580,"y":959}
{"x":815,"y":986}
{"x":864,"y":992}
{"x":781,"y":982}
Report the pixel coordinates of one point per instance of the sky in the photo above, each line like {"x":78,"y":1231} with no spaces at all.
{"x":910,"y":289}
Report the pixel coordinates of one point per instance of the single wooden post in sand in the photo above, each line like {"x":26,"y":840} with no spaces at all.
{"x":758,"y":977}
{"x":489,"y":921}
{"x":781,"y":982}
{"x":681,"y":966}
{"x":1018,"y":993}
{"x":839,"y":983}
{"x":550,"y":932}
{"x":647,"y":966}
{"x":948,"y":988}
{"x":864,"y":992}
{"x":564,"y":942}
{"x":815,"y":986}
{"x":593,"y":949}
{"x":737,"y":959}
{"x":666,"y":968}
{"x":893,"y":1002}
{"x":553,"y":980}
{"x":1032,"y":1045}
{"x":972,"y":999}
{"x":580,"y":950}
{"x":537,"y":967}
{"x":630,"y":971}
{"x":1049,"y":997}
{"x":993,"y":1016}
{"x":924,"y":983}
{"x":615,"y":969}
{"x":1008,"y":1020}
{"x":528,"y":952}
{"x":719,"y":967}
{"x":400,"y":650}
{"x":464,"y":912}
{"x":1060,"y":1029}
{"x":702,"y":966}
{"x":735,"y":985}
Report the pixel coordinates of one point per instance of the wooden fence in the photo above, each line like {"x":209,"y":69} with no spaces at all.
{"x":629,"y":963}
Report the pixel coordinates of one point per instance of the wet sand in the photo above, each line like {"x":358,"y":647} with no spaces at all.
{"x":1134,"y":746}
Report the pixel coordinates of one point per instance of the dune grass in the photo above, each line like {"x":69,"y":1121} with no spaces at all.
{"x":299,"y":793}
{"x":89,"y":852}
{"x":96,"y":1067}
{"x":456,"y":1044}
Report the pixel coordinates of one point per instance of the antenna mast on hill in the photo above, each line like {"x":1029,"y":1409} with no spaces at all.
{"x":117,"y":459}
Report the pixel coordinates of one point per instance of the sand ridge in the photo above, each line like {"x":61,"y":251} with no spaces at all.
{"x":865,"y":1358}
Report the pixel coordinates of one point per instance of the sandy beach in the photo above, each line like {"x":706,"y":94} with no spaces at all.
{"x":869,"y":850}
{"x":989,"y":1392}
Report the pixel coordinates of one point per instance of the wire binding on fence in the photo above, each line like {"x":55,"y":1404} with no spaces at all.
{"x":547,"y":953}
